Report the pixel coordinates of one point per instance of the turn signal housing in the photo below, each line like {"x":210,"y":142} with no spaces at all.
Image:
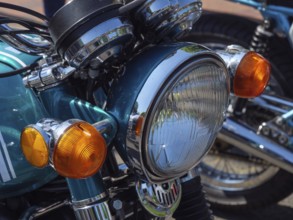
{"x":34,"y":144}
{"x":252,"y":76}
{"x":80,"y":150}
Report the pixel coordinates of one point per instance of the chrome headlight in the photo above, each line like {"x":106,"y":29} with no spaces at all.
{"x":184,"y":118}
{"x":177,"y":113}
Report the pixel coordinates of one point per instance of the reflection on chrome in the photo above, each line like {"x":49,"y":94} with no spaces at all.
{"x":103,"y":41}
{"x":177,"y":114}
{"x":186,"y":120}
{"x":169,"y":18}
{"x":29,"y":43}
{"x":160,"y":200}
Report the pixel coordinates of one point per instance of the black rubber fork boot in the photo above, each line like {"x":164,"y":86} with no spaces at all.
{"x":193,"y":203}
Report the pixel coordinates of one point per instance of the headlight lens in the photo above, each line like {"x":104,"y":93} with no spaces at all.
{"x":185,"y":119}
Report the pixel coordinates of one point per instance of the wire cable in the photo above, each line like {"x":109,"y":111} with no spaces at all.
{"x":18,"y":71}
{"x":23,"y":22}
{"x":24,"y":10}
{"x":30,"y":27}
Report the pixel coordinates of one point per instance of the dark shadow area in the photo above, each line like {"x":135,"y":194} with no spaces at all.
{"x":275,"y":212}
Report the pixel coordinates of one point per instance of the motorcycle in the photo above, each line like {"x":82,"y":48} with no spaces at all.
{"x":250,"y":164}
{"x":104,"y":111}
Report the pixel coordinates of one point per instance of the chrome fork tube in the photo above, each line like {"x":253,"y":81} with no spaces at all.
{"x":89,"y":198}
{"x":92,"y":209}
{"x":247,"y":140}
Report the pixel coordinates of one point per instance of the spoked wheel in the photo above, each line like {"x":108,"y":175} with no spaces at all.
{"x":232,"y":178}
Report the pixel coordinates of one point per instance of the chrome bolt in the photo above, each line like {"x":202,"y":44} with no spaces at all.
{"x":266,"y":130}
{"x":117,"y":204}
{"x":283,"y":139}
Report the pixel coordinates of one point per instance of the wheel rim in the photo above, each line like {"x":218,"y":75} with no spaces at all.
{"x":234,"y":173}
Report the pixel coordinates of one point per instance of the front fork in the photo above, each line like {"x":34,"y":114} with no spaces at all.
{"x":89,"y":198}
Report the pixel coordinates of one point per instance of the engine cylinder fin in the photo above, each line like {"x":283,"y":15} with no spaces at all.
{"x":193,"y":204}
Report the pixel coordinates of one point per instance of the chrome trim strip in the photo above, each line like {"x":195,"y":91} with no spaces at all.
{"x":14,"y":58}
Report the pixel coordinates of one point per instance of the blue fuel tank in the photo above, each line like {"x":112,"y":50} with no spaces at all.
{"x":19,"y":107}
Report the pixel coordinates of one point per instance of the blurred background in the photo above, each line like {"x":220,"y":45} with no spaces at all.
{"x":212,"y":5}
{"x":281,"y":211}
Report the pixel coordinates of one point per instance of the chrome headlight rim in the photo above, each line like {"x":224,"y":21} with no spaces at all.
{"x":178,"y":74}
{"x":187,"y":54}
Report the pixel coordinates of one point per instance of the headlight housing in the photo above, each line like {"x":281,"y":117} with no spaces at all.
{"x":177,"y":112}
{"x":184,"y":119}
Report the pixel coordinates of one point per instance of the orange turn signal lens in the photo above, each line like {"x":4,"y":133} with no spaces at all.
{"x":80,"y":151}
{"x":252,"y":76}
{"x":138,"y":126}
{"x":34,"y":147}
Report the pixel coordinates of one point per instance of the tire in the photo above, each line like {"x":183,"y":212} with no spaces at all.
{"x":213,"y":30}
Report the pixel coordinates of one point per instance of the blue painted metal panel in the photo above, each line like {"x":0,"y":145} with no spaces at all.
{"x":19,"y":107}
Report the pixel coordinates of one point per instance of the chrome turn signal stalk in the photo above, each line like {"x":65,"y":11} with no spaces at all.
{"x":249,"y":71}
